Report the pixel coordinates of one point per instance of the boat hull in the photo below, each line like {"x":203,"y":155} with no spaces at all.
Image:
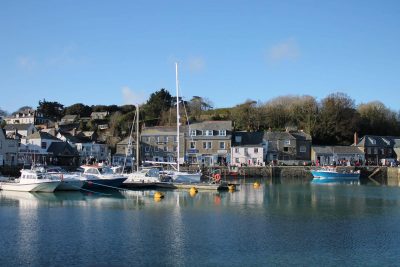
{"x":70,"y":185}
{"x":103,"y":183}
{"x":334,"y":177}
{"x":47,"y":187}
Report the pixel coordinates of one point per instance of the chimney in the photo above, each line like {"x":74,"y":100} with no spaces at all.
{"x":355,"y":138}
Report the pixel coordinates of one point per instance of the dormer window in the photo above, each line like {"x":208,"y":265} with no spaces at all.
{"x":372,"y":140}
{"x":386,"y":141}
{"x":209,"y":133}
{"x":192,"y":132}
{"x":222,"y":132}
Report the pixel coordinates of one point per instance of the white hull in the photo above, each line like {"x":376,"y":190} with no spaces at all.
{"x":31,"y":187}
{"x":185,"y":177}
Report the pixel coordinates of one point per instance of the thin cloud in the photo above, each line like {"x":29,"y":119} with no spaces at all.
{"x":196,"y":64}
{"x":65,"y":57}
{"x":132,"y":98}
{"x":283,"y":51}
{"x":26,"y":63}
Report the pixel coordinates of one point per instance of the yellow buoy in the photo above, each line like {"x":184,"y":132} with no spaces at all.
{"x":193,"y":191}
{"x":158,"y":196}
{"x":256,"y":185}
{"x":231,"y":187}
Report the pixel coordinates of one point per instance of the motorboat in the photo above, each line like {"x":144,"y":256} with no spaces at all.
{"x":332,"y":175}
{"x":70,"y":181}
{"x":97,"y":176}
{"x":32,"y":180}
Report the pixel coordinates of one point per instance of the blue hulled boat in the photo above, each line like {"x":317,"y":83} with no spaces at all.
{"x":332,"y":175}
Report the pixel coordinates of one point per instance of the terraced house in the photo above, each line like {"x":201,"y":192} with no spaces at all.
{"x":208,"y":143}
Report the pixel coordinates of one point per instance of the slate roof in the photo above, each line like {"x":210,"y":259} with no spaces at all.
{"x":62,"y":149}
{"x":126,"y":141}
{"x":212,"y":125}
{"x":248,"y":139}
{"x":70,"y":117}
{"x":18,"y":127}
{"x":287,"y":136}
{"x":380,"y":141}
{"x":42,"y":135}
{"x":337,"y":150}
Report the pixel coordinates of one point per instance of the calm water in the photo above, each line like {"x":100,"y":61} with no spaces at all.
{"x":285,"y":224}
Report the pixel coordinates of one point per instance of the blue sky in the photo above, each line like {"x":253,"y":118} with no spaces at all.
{"x":118,"y":52}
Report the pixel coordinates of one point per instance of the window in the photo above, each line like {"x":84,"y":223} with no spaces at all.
{"x":44,"y":145}
{"x":165,"y":149}
{"x":222,"y":132}
{"x":303,"y":149}
{"x":221,"y":145}
{"x":375,"y":151}
{"x":207,"y":145}
{"x":383,"y":151}
{"x":209,"y":133}
{"x":175,"y":148}
{"x":246,"y":150}
{"x":156,"y":149}
{"x":369,"y":150}
{"x":192,"y":132}
{"x":192,"y":145}
{"x":287,"y":142}
{"x":175,"y":139}
{"x":157,"y":139}
{"x":236,"y":150}
{"x":255,"y":150}
{"x":237,"y":160}
{"x":286,"y":149}
{"x":166,"y":139}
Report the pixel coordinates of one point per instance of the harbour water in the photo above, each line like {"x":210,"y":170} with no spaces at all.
{"x":275,"y":224}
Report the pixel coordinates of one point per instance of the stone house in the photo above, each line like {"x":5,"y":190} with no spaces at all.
{"x":339,"y":155}
{"x":99,"y":115}
{"x":287,"y":146}
{"x":160,"y":143}
{"x":208,"y":143}
{"x":19,"y":130}
{"x":125,"y":152}
{"x":376,"y":148}
{"x":69,"y":119}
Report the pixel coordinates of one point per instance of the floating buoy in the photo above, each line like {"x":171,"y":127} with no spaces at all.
{"x":256,"y":185}
{"x":193,"y":191}
{"x":158,"y":196}
{"x":231,"y":187}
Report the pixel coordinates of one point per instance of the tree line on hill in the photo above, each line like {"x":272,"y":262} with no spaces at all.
{"x":330,"y":121}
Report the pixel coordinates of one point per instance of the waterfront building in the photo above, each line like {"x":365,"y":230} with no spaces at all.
{"x":397,"y":148}
{"x":376,"y":148}
{"x":17,"y":131}
{"x":247,"y":149}
{"x":28,"y":116}
{"x":8,"y":150}
{"x":339,"y":155}
{"x":208,"y":143}
{"x":125,"y":153}
{"x":160,"y":143}
{"x":287,"y":146}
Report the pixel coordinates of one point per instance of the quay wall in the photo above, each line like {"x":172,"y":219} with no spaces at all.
{"x":393,"y":176}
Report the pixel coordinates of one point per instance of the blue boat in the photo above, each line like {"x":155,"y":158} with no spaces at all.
{"x":331,"y":175}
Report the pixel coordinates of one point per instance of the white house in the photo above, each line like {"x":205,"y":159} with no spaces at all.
{"x":23,"y":129}
{"x":27,"y":116}
{"x":93,"y":151}
{"x":34,"y":147}
{"x":247,"y":149}
{"x":8,"y":150}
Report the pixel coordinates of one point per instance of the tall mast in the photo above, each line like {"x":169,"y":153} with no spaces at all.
{"x":177,"y":115}
{"x":137,"y":137}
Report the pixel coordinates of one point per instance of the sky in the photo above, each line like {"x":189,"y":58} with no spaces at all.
{"x":119,"y":52}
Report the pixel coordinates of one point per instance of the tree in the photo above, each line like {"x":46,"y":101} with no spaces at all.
{"x":247,"y":116}
{"x":78,"y":109}
{"x":158,"y":102}
{"x":377,"y":119}
{"x":197,"y":105}
{"x":338,"y":120}
{"x":52,"y":110}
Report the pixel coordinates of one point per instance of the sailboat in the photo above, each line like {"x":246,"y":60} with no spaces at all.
{"x":177,"y":175}
{"x":144,"y":177}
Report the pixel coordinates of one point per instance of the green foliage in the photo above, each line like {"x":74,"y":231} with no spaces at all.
{"x":78,"y":109}
{"x":160,"y":101}
{"x":52,"y":110}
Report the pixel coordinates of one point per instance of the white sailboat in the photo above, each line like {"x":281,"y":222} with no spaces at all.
{"x":177,"y":175}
